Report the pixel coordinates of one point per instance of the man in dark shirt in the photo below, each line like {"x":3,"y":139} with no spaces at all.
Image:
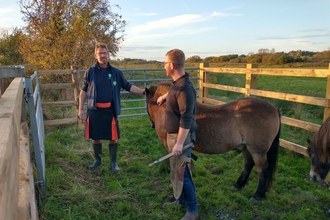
{"x":180,"y":126}
{"x":101,"y":87}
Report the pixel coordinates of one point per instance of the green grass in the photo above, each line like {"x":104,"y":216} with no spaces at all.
{"x":138,"y":191}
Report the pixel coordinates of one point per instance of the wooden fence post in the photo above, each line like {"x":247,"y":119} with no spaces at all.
{"x":250,"y":79}
{"x":326,"y":113}
{"x":202,"y":79}
{"x":75,"y":81}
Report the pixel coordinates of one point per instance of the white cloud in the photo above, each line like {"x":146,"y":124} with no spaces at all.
{"x":220,"y":14}
{"x":6,"y":19}
{"x":169,"y":22}
{"x":177,"y":21}
{"x":5,"y":10}
{"x":145,"y":14}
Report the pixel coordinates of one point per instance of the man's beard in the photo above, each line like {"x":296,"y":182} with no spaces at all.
{"x":103,"y":61}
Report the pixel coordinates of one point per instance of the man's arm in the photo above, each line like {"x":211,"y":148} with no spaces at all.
{"x":137,"y":90}
{"x":182,"y":135}
{"x":82,"y":98}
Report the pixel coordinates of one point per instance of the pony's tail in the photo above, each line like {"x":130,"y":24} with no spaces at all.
{"x":272,"y":157}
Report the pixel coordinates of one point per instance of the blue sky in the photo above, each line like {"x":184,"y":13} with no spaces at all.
{"x":212,"y":27}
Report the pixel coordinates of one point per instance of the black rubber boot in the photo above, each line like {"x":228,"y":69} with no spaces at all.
{"x":98,"y":155}
{"x":113,"y":149}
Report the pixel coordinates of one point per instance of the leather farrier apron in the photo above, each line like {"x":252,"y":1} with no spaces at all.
{"x":178,"y":163}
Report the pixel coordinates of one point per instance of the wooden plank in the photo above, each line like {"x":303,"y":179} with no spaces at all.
{"x":54,"y":72}
{"x":225,"y":87}
{"x":10,"y":120}
{"x":294,"y":147}
{"x":61,"y":121}
{"x":11,"y":72}
{"x":291,"y":97}
{"x":300,"y":124}
{"x":59,"y":104}
{"x":225,"y":70}
{"x":56,"y":86}
{"x":27,"y":205}
{"x":272,"y":71}
{"x":275,"y":95}
{"x":212,"y":101}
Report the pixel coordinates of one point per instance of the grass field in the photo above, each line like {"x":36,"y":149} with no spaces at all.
{"x":138,"y":191}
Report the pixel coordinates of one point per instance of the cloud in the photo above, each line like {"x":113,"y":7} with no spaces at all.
{"x":234,"y":7}
{"x":5,"y":10}
{"x":142,"y":48}
{"x":293,"y":37}
{"x":220,"y":14}
{"x":178,"y":21}
{"x":313,"y":30}
{"x":145,"y":14}
{"x":168,"y":22}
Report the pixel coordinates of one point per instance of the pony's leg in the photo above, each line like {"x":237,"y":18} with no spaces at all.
{"x":262,"y":167}
{"x":248,"y":165}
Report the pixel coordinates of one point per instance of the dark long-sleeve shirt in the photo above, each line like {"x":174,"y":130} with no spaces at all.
{"x":181,"y":106}
{"x":117,"y":80}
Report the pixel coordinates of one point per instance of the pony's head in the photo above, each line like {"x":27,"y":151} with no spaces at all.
{"x":152,"y":94}
{"x":319,"y":152}
{"x":319,"y":166}
{"x":150,"y":100}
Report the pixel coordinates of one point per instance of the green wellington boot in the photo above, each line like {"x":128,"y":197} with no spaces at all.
{"x":113,"y":149}
{"x":98,"y":155}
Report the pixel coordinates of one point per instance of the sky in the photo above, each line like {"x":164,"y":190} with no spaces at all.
{"x":211,"y":27}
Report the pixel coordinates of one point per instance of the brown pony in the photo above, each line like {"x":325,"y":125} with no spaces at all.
{"x":319,"y":152}
{"x":248,"y":125}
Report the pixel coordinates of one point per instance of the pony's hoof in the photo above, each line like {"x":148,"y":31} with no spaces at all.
{"x":254,"y":199}
{"x":327,"y":213}
{"x":237,"y":187}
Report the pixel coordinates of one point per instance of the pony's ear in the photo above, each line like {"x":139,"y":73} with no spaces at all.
{"x":147,"y":90}
{"x":308,"y":140}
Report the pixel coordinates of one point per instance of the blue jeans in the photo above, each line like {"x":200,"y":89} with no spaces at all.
{"x":188,"y":195}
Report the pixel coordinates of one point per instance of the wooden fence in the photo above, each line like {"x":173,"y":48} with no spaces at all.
{"x":251,"y":75}
{"x":74,"y":72}
{"x":17,"y":195}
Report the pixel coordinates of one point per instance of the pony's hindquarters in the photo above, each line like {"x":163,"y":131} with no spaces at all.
{"x":272,"y":156}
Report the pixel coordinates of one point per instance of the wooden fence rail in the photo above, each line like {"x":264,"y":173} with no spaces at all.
{"x":252,"y":72}
{"x":74,"y":72}
{"x":17,"y":195}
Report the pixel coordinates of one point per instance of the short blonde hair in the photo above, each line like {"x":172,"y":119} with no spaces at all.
{"x":100,"y":45}
{"x":177,"y":57}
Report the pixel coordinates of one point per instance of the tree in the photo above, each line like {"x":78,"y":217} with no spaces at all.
{"x":62,"y":33}
{"x":9,"y":44}
{"x":194,"y":59}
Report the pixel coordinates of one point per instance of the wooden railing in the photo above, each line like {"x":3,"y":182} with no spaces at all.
{"x":251,"y":76}
{"x":17,"y":195}
{"x":74,"y":84}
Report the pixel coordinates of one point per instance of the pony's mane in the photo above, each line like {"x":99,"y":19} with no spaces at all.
{"x":320,"y":142}
{"x":163,"y":87}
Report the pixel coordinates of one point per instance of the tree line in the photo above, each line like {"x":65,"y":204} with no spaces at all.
{"x":263,"y":57}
